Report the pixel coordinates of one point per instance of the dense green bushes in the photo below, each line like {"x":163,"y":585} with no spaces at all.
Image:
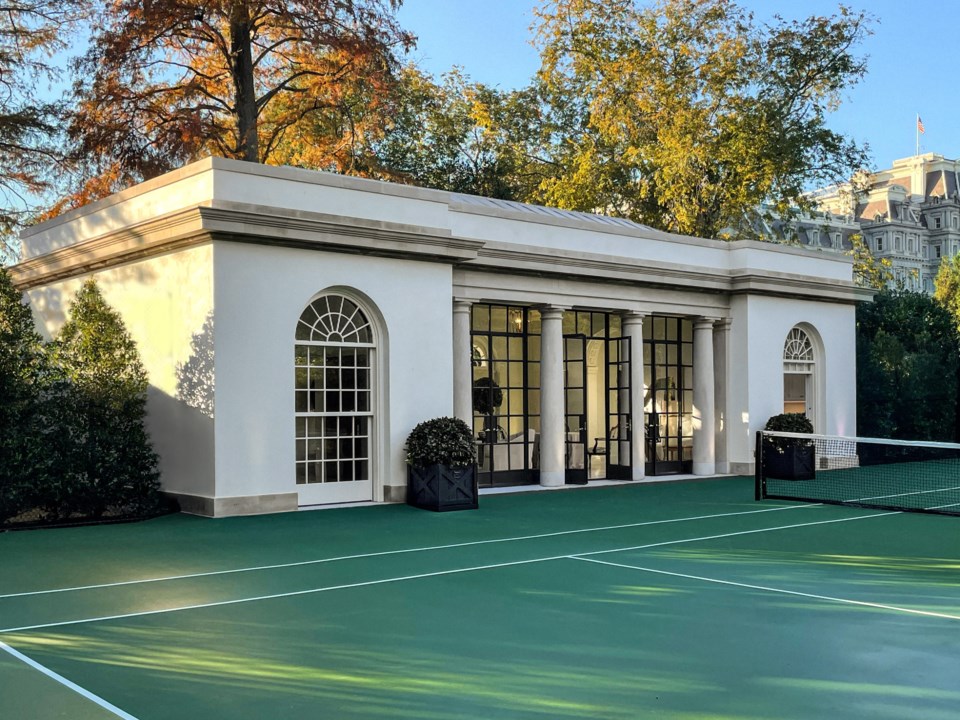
{"x":72,"y":437}
{"x":21,"y":377}
{"x":907,"y":364}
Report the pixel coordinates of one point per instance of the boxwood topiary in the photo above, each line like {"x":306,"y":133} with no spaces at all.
{"x":441,"y":441}
{"x":789,"y":422}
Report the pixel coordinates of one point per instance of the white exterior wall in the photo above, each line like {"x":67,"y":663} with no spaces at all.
{"x":260,"y":293}
{"x":164,"y":302}
{"x":265,"y":241}
{"x":757,"y":335}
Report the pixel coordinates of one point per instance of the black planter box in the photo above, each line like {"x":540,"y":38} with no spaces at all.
{"x":796,"y":462}
{"x":441,"y":488}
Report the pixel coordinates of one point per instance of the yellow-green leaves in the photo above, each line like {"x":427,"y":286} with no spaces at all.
{"x":867,"y":270}
{"x":692,"y":114}
{"x":947,"y":286}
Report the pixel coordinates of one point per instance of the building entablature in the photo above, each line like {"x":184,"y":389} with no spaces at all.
{"x":225,"y":200}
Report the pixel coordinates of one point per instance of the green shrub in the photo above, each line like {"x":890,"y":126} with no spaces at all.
{"x":907,"y":368}
{"x":792,"y":423}
{"x":789,"y":422}
{"x":441,"y":441}
{"x":21,"y":373}
{"x":112,"y":465}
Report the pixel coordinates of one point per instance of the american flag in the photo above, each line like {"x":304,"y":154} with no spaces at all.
{"x":920,"y":126}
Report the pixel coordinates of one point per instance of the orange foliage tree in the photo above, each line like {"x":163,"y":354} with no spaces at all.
{"x":167,"y":81}
{"x":31,"y":32}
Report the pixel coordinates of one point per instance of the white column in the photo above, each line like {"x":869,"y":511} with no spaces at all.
{"x":552,"y":431}
{"x":633,"y":328}
{"x":704,"y":437}
{"x":721,"y":341}
{"x":462,"y":363}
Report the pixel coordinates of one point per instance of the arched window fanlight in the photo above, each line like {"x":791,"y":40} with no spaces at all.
{"x":798,"y":346}
{"x":334,"y":319}
{"x":798,"y":353}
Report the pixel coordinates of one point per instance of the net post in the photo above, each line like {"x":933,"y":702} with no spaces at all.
{"x":758,"y":467}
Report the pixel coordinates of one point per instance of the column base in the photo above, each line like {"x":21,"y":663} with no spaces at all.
{"x":704,"y":468}
{"x":555,"y":478}
{"x":638,"y":473}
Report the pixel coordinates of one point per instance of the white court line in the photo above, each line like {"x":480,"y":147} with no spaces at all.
{"x":399,"y":552}
{"x":915,"y":492}
{"x":781,"y":591}
{"x":437,"y":573}
{"x":66,"y":683}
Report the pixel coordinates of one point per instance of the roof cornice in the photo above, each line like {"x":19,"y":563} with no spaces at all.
{"x":220,"y":220}
{"x":542,"y":262}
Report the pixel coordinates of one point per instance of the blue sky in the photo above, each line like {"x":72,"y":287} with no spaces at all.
{"x":912,"y":62}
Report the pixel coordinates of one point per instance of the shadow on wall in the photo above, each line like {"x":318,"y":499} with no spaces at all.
{"x":195,"y":377}
{"x":51,"y":303}
{"x":183,"y":438}
{"x":49,"y":306}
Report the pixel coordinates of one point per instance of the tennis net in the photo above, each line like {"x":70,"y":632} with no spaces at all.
{"x":864,"y":472}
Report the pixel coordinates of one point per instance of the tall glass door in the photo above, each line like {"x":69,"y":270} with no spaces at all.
{"x":575,"y":408}
{"x":619,"y":431}
{"x":506,"y":393}
{"x":668,"y":395}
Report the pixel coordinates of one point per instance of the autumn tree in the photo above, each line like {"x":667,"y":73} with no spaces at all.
{"x":167,"y":81}
{"x":460,"y":136}
{"x":686,"y":114}
{"x":31,"y":31}
{"x":868,"y":270}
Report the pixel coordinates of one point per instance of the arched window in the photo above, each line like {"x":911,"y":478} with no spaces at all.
{"x":797,"y":351}
{"x":334,"y":368}
{"x":334,"y":318}
{"x":799,"y":374}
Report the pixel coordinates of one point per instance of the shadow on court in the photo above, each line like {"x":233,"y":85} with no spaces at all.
{"x":703,"y":607}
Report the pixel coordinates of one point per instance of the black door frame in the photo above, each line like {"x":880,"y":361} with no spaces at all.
{"x":664,"y":393}
{"x":619,"y":428}
{"x":488,"y":432}
{"x":575,"y":421}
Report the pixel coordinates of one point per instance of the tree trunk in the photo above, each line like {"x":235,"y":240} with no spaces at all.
{"x":244,"y":91}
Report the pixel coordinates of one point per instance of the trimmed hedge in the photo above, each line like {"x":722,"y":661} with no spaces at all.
{"x":441,"y":441}
{"x":789,"y":422}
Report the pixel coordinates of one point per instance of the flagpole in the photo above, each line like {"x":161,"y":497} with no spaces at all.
{"x":918,"y":134}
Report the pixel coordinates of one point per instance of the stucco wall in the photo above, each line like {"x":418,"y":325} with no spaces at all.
{"x":759,"y":329}
{"x":152,"y":199}
{"x":164,"y":302}
{"x":260,"y":294}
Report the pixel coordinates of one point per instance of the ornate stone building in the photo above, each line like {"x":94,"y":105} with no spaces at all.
{"x":908,"y":214}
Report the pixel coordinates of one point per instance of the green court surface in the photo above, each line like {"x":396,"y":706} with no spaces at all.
{"x":669,"y":600}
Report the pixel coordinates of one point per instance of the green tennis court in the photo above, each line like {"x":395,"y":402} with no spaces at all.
{"x":666,"y":600}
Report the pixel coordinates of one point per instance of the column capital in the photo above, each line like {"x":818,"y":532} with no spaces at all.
{"x":551,"y":312}
{"x":462,"y":305}
{"x":704,"y":322}
{"x":633,"y":317}
{"x":723,"y":324}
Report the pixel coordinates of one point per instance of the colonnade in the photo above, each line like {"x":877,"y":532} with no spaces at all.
{"x":709,"y":362}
